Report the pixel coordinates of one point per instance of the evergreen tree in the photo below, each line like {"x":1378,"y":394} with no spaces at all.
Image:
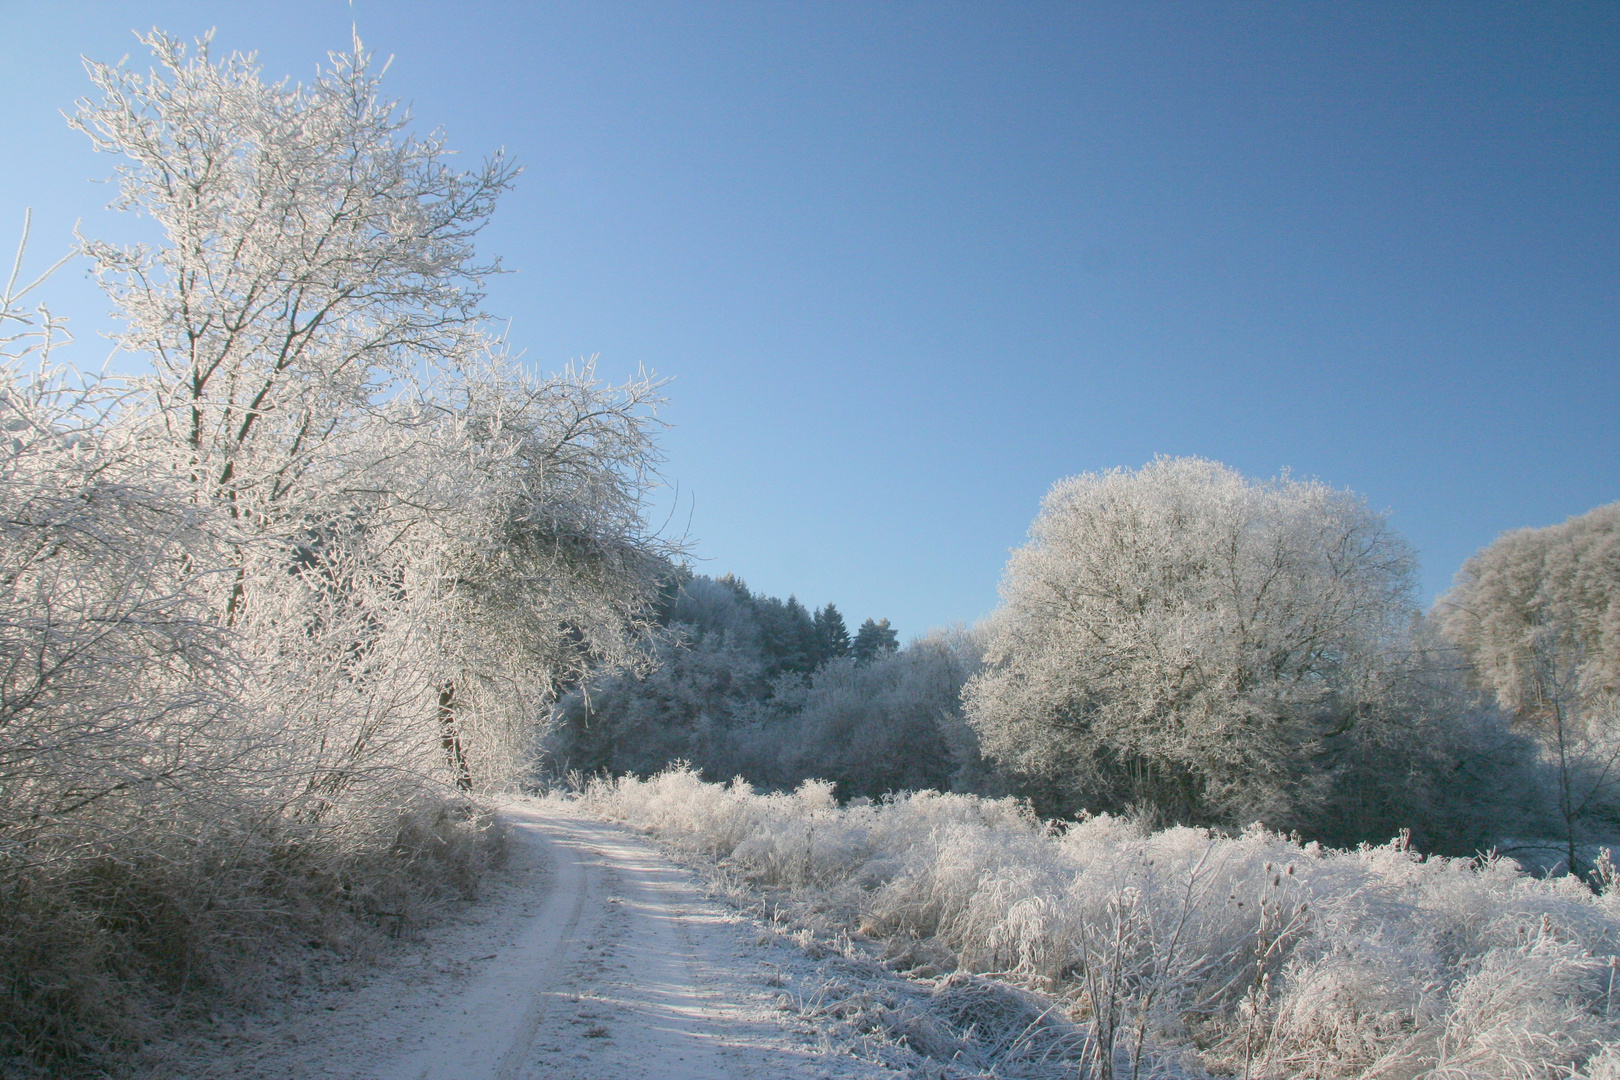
{"x":874,"y":639}
{"x":802,"y":635}
{"x":832,"y":638}
{"x":787,"y":635}
{"x":737,"y":585}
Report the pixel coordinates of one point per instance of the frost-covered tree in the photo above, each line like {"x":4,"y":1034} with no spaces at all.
{"x":695,"y":703}
{"x":112,"y":677}
{"x":436,"y":542}
{"x":891,"y":724}
{"x":1538,"y":603}
{"x":1537,"y":614}
{"x":315,"y":258}
{"x":1182,"y":638}
{"x":733,"y":688}
{"x":261,"y":607}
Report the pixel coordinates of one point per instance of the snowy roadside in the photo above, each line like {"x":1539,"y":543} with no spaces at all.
{"x":593,"y":955}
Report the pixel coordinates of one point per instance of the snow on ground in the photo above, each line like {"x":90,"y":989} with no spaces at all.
{"x":591,"y":956}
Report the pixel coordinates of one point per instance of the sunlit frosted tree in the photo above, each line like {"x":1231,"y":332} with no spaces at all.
{"x":330,"y":553}
{"x":112,"y":675}
{"x":432,"y":537}
{"x":1182,"y":638}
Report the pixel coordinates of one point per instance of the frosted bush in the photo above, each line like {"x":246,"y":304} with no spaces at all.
{"x":1526,"y":1010}
{"x":1604,"y":1065}
{"x":1250,"y":954}
{"x":1351,"y":1012}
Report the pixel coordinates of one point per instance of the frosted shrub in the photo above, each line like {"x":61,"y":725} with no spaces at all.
{"x":691,"y":815}
{"x":1523,"y":1009}
{"x":947,"y":850}
{"x":1604,"y":1065}
{"x":1250,"y":954}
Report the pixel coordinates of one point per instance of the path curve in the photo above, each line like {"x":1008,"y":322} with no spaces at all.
{"x":623,"y":969}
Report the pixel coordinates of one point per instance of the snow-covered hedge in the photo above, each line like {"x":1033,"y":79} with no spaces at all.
{"x":1251,"y":954}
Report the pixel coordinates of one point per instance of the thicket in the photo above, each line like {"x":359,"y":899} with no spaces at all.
{"x":272,"y":612}
{"x":1537,"y":616}
{"x":741,"y":684}
{"x":1185,"y":950}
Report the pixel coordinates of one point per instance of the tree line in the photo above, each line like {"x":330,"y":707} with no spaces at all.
{"x":742,"y":684}
{"x":1186,"y":645}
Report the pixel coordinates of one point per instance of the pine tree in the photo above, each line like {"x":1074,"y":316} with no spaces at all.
{"x":832,"y":638}
{"x":787,"y":635}
{"x":874,"y":639}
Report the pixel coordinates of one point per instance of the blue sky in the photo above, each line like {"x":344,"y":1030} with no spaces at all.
{"x":909,"y":264}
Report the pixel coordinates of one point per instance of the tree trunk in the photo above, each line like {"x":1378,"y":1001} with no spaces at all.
{"x":450,"y":736}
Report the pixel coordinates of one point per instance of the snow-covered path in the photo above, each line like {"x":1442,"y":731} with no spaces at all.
{"x":591,"y":957}
{"x":623,"y":969}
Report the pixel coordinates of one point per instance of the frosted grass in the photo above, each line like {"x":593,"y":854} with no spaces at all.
{"x":1185,"y":949}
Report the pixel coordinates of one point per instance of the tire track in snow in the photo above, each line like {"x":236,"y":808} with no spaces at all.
{"x":505,"y":1005}
{"x":569,"y":881}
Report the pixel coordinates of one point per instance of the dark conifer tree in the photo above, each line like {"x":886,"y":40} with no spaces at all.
{"x":736,"y":585}
{"x":787,"y":635}
{"x":874,"y":639}
{"x":802,"y":625}
{"x":832,"y":638}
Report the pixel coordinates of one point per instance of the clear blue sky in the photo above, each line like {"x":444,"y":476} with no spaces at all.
{"x":909,"y":264}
